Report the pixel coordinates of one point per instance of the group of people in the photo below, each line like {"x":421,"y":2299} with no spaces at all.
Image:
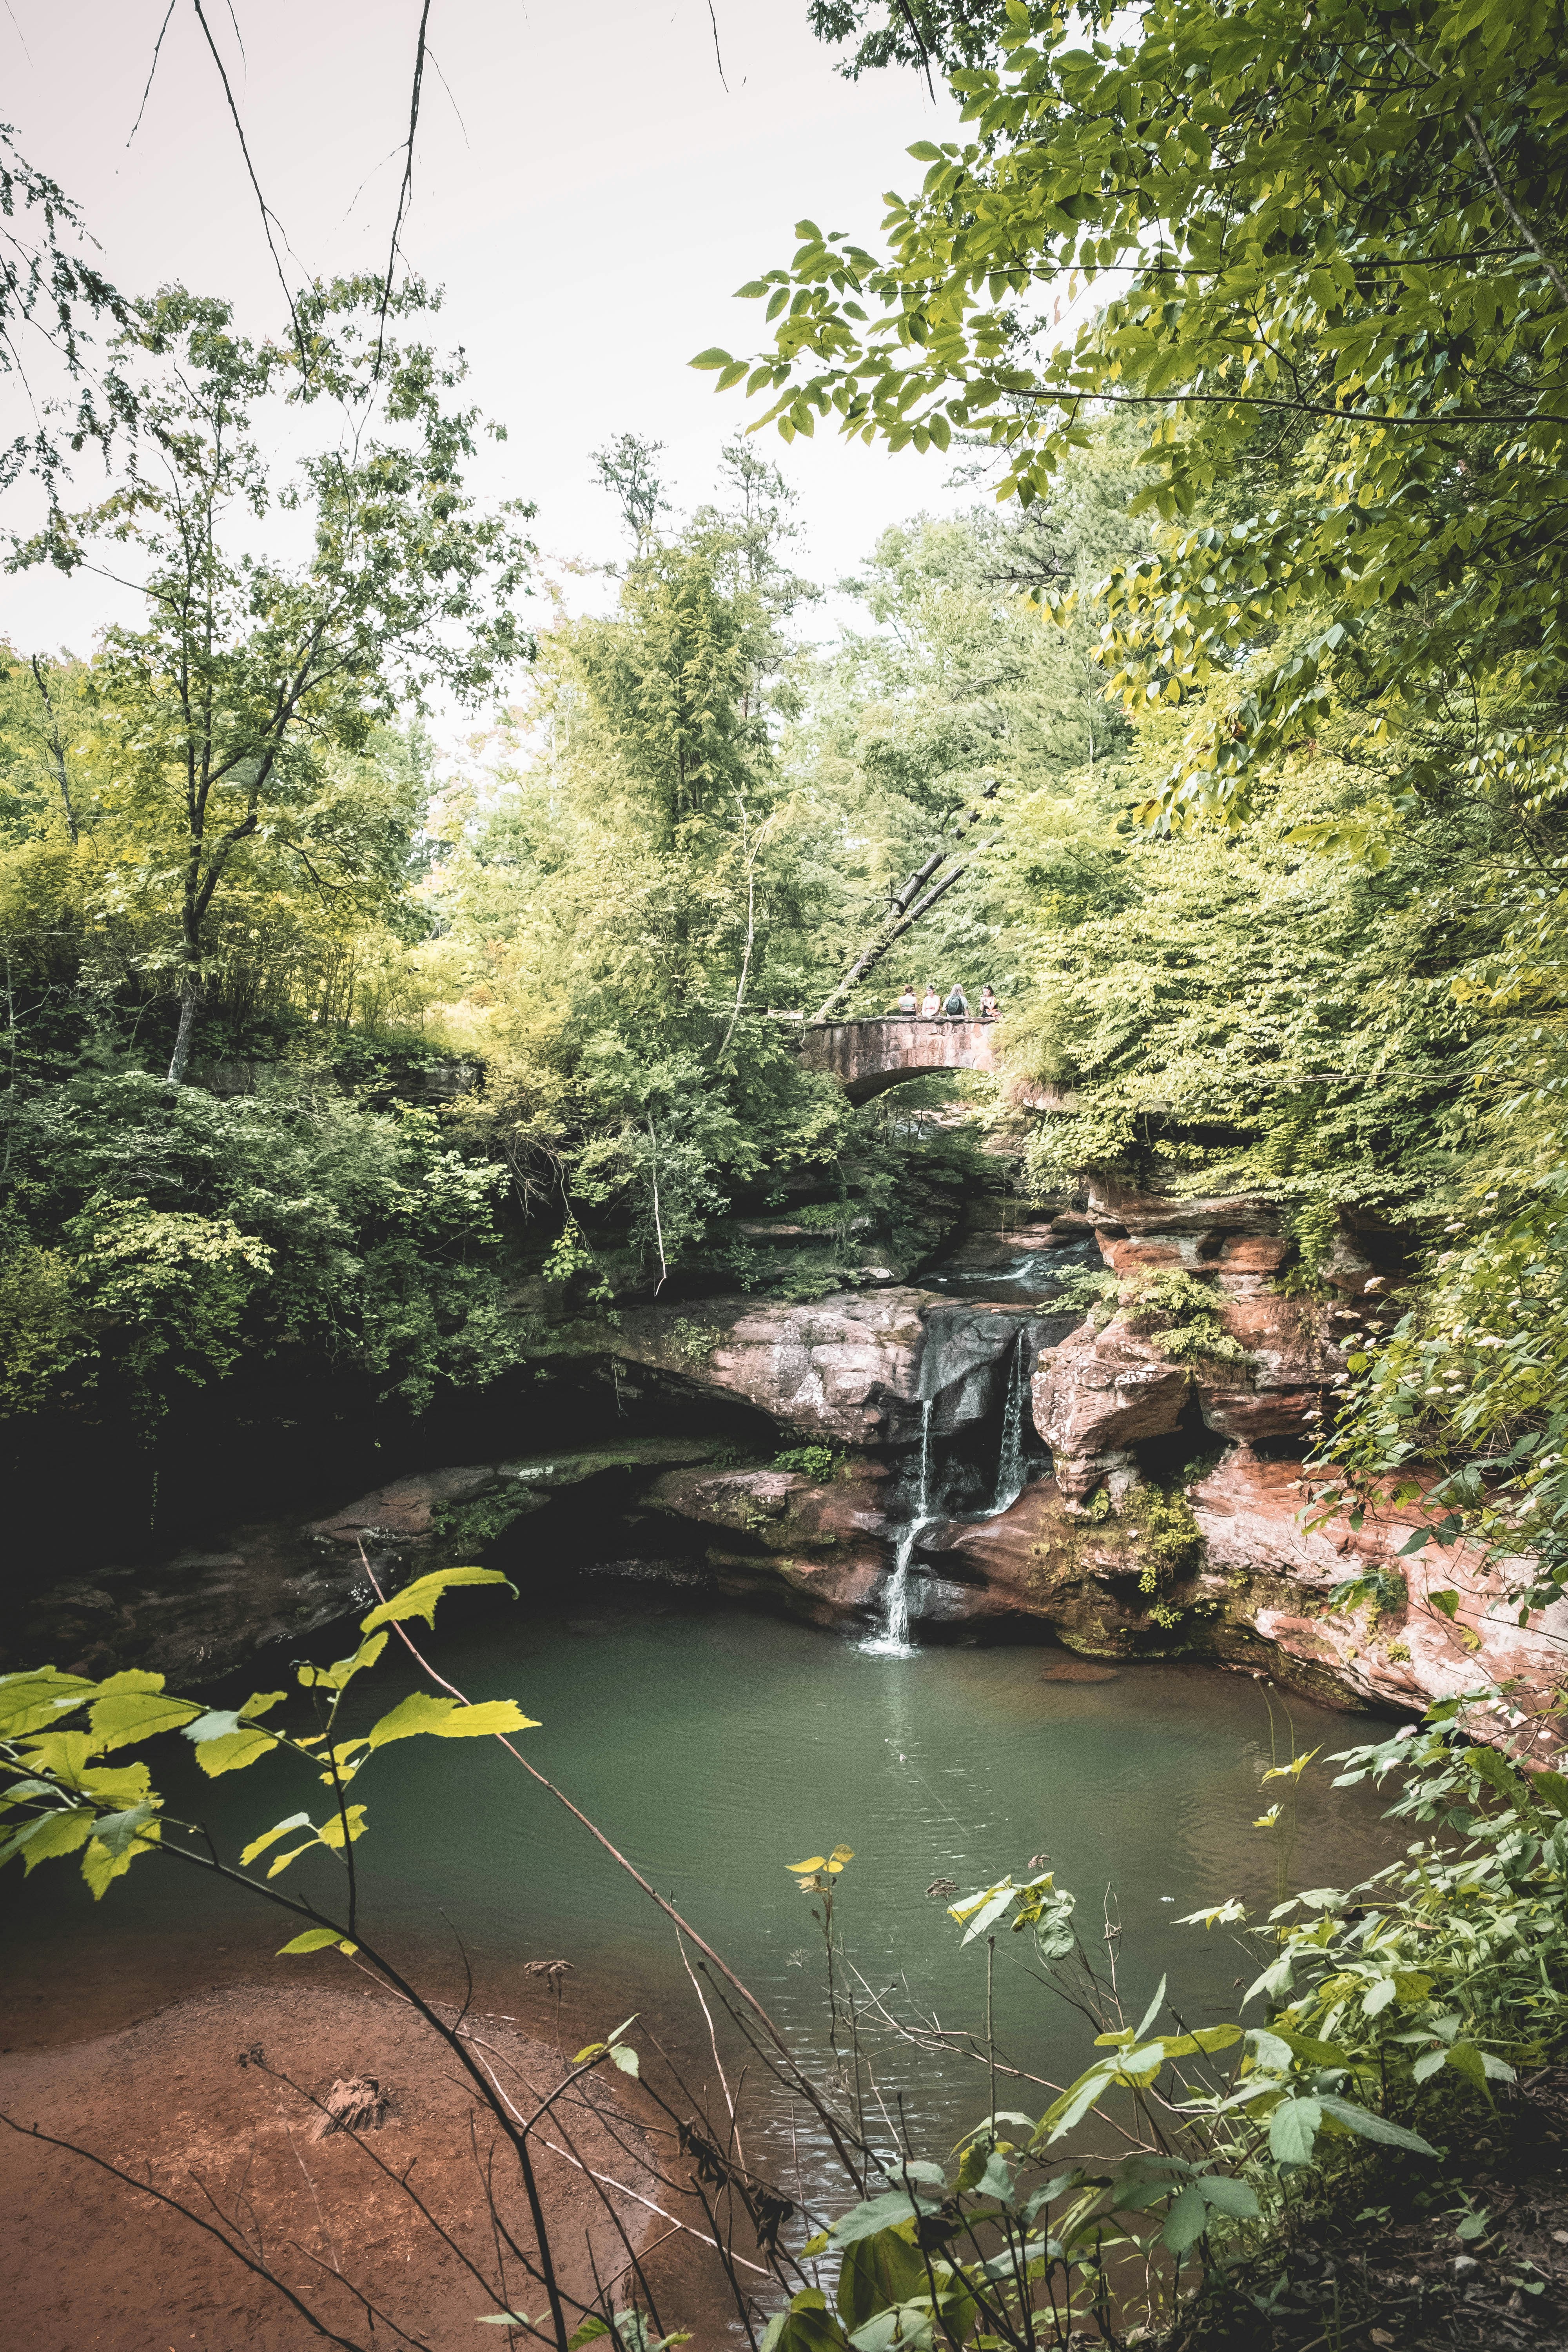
{"x":954,"y":1006}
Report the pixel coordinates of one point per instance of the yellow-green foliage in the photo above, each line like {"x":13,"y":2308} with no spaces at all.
{"x":1183,"y":1316}
{"x":43,"y":1338}
{"x":1170,"y":1542}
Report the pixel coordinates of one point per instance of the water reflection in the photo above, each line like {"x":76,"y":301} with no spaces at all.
{"x":717,"y":1746}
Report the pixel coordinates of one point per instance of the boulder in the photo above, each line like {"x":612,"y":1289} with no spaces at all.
{"x":819,"y":1546}
{"x":1285,"y":1560}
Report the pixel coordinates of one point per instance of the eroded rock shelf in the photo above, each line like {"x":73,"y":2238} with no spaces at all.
{"x":1164,"y":1511}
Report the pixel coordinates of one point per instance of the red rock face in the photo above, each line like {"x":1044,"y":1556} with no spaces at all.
{"x":1263,"y":1597}
{"x":1099,"y":1393}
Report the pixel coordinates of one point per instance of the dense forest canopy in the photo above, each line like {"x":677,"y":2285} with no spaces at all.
{"x":1241,"y":670}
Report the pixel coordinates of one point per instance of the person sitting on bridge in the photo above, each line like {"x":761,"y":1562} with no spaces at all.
{"x":957,"y":1005}
{"x":908,"y":1001}
{"x":930,"y":1003}
{"x":989,"y":1008}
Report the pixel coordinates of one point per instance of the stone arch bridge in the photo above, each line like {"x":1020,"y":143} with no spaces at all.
{"x":868,"y":1057}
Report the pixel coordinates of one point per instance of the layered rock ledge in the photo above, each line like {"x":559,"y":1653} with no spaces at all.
{"x":1175,"y":1524}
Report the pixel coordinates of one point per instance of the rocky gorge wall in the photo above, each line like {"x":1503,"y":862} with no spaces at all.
{"x":1169,"y":1519}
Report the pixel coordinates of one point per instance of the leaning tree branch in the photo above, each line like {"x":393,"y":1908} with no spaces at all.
{"x":902,"y":915}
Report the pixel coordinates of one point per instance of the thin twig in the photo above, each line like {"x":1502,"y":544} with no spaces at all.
{"x":268,"y":215}
{"x":406,"y":190}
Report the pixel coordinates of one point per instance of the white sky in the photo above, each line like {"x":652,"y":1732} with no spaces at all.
{"x":590,"y":227}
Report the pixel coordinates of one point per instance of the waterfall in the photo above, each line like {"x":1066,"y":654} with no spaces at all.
{"x":1012,"y":1476}
{"x":893,"y":1640}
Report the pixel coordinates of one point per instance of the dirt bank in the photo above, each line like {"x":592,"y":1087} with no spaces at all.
{"x":179,"y":2100}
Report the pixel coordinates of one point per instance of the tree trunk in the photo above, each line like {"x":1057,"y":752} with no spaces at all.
{"x":190,"y":997}
{"x":61,"y":775}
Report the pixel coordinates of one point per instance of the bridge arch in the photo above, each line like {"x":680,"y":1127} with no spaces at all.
{"x":870,"y":1055}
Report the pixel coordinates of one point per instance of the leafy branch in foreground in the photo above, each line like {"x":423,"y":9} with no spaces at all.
{"x":64,"y":1802}
{"x":1315,"y":255}
{"x":1390,"y":2008}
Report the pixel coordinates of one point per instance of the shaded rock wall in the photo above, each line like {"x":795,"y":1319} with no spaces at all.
{"x":206,"y":1611}
{"x":851,"y":1370}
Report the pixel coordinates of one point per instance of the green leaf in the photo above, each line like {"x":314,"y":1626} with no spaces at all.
{"x":1152,"y":2012}
{"x":316,"y":1939}
{"x":115,"y":1832}
{"x":1293,"y":2130}
{"x":878,"y":2213}
{"x":1449,"y":1602}
{"x":117,"y":1717}
{"x":449,"y":1718}
{"x":35,"y":1700}
{"x":53,"y":1834}
{"x":1367,"y":2126}
{"x":101,"y":1865}
{"x":1305,"y":2045}
{"x":878,"y":2272}
{"x":337,"y":1677}
{"x":623,"y":2055}
{"x":714,"y":357}
{"x":223,"y":1750}
{"x":1186,"y":2220}
{"x":270,"y":1837}
{"x":1076,"y":2101}
{"x":805,"y":2327}
{"x":419,"y":1599}
{"x":1228,"y":2196}
{"x":1466,"y":2059}
{"x":333,"y":1833}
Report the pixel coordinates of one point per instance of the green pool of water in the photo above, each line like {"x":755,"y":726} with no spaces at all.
{"x":717,"y":1746}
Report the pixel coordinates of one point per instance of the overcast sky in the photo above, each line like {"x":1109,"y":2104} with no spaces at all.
{"x":587,"y":190}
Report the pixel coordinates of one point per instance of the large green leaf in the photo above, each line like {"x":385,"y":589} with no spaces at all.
{"x":1076,"y":2101}
{"x":115,"y":1832}
{"x":807,"y":2327}
{"x":223,"y":1750}
{"x":449,"y":1718}
{"x":1368,"y":2126}
{"x":101,"y":1865}
{"x":880,"y":2213}
{"x":1186,"y":2220}
{"x":32,"y":1701}
{"x":419,"y":1599}
{"x":1293,"y":2130}
{"x":120,"y":1717}
{"x":878,"y":2270}
{"x":53,"y":1834}
{"x":1226,"y":2196}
